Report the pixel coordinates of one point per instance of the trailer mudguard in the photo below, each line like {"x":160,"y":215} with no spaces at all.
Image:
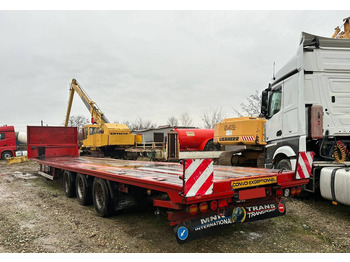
{"x":197,"y":228}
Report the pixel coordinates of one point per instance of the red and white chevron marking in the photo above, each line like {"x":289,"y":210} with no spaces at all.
{"x":304,"y":165}
{"x":199,"y":177}
{"x":248,"y":138}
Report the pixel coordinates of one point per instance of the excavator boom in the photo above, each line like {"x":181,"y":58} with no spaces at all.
{"x":343,"y":34}
{"x":96,"y":115}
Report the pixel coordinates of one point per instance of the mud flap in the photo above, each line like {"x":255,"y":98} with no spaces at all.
{"x":200,"y":227}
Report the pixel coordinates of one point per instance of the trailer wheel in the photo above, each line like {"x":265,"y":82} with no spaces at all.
{"x":69,"y":183}
{"x":83,"y":190}
{"x":6,"y":155}
{"x":101,"y":198}
{"x":284,"y":163}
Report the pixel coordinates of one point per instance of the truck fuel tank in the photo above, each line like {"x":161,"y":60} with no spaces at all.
{"x":335,"y":184}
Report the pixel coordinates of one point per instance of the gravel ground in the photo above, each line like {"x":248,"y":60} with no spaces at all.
{"x":36,"y":217}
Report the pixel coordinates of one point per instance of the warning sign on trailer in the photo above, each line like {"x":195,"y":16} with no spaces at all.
{"x":253,"y":182}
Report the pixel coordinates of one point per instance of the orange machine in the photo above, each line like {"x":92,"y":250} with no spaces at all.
{"x":240,"y":131}
{"x":243,"y":140}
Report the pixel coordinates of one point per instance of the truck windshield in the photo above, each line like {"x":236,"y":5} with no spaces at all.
{"x":275,"y":102}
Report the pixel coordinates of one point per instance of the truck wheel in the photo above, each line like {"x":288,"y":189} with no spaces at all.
{"x":101,"y":198}
{"x":284,"y":163}
{"x":6,"y":155}
{"x":83,"y":190}
{"x":69,"y":183}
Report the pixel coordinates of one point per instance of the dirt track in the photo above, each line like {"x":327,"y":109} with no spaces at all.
{"x":35,"y":216}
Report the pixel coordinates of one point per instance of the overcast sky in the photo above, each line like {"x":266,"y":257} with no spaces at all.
{"x":148,"y":64}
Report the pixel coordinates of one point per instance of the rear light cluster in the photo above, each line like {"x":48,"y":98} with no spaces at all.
{"x":294,"y":191}
{"x":202,"y":207}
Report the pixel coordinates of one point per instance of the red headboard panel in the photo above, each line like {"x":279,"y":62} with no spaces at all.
{"x":44,"y":141}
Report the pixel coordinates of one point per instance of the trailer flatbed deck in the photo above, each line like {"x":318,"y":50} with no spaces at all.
{"x":160,"y":175}
{"x":158,"y":171}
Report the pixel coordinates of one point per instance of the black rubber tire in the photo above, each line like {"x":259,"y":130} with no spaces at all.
{"x":210,"y":146}
{"x":284,"y":164}
{"x":69,"y":183}
{"x":260,"y":162}
{"x":83,"y":190}
{"x":6,"y":155}
{"x":103,"y":203}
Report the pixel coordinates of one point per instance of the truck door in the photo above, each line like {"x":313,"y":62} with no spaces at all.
{"x":291,"y":121}
{"x":274,"y":115}
{"x":2,"y":139}
{"x":284,"y":121}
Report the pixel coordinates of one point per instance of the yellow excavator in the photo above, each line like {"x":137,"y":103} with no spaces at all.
{"x":343,"y":34}
{"x":242,"y":139}
{"x":101,"y":136}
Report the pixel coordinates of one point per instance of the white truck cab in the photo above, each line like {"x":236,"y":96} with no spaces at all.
{"x":307,"y":106}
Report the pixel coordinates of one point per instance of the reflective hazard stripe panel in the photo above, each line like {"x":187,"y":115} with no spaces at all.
{"x":304,"y":165}
{"x":199,"y":177}
{"x":248,"y":138}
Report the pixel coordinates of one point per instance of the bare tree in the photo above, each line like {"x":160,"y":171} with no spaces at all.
{"x":137,"y":124}
{"x":212,"y":116}
{"x":128,"y":123}
{"x":173,"y":121}
{"x":78,"y":121}
{"x":251,"y":106}
{"x":185,"y":119}
{"x":140,"y":124}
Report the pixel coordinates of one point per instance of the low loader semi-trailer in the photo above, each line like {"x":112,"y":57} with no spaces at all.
{"x":197,"y":196}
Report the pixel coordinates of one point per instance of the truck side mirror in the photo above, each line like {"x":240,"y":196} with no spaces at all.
{"x":264,"y":99}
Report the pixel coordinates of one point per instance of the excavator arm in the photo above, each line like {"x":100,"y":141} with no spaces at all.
{"x":343,"y":34}
{"x":96,"y":115}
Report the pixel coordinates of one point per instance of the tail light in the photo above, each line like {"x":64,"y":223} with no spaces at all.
{"x":223,"y":203}
{"x":213,"y":205}
{"x":279,"y":192}
{"x":298,"y":191}
{"x":293,"y":191}
{"x":193,"y":209}
{"x":203,"y":207}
